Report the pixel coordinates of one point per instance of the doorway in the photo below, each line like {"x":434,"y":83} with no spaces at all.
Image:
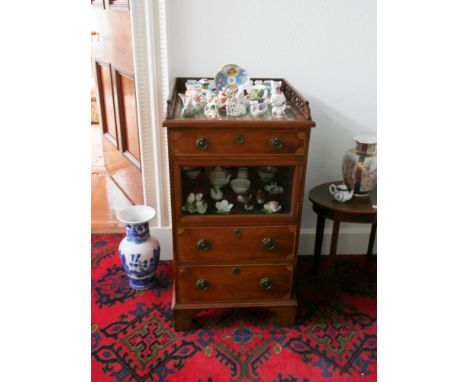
{"x":116,"y":157}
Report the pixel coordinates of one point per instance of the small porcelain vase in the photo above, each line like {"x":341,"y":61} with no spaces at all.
{"x":340,"y":193}
{"x":359,"y":165}
{"x":139,"y":251}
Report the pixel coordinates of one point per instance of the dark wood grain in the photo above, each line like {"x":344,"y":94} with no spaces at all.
{"x":359,"y":209}
{"x":225,"y":285}
{"x":228,"y":244}
{"x":223,"y":141}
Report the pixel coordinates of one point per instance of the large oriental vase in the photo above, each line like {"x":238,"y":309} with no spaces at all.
{"x":139,"y":251}
{"x":360,"y":165}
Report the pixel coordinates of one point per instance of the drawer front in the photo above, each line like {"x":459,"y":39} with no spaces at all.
{"x":233,"y":283}
{"x":221,"y":142}
{"x":218,"y":244}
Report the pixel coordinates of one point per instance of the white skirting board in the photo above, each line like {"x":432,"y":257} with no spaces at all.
{"x":164,"y":236}
{"x":352,"y":241}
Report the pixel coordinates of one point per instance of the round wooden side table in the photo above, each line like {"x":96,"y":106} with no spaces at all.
{"x":360,"y":209}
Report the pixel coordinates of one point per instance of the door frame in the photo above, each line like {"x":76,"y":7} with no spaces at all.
{"x":148,"y":23}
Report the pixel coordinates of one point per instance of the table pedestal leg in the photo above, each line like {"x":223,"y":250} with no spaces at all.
{"x":318,"y":243}
{"x":330,"y":275}
{"x":371,"y":243}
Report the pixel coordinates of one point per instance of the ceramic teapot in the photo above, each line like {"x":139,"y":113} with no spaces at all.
{"x":341,"y":193}
{"x":219,"y":177}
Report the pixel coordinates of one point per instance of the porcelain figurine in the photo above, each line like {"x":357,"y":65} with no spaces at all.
{"x":139,"y":251}
{"x":224,"y":207}
{"x":249,"y":204}
{"x":221,"y":100}
{"x":274,"y":189}
{"x":241,"y":198}
{"x":278,"y":100}
{"x":260,"y":197}
{"x":219,"y":177}
{"x":195,"y":203}
{"x":196,"y":92}
{"x":271,"y":207}
{"x":216,"y":193}
{"x":341,"y":193}
{"x":211,"y":110}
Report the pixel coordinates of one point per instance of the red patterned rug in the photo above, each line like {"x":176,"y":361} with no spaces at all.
{"x":133,"y":337}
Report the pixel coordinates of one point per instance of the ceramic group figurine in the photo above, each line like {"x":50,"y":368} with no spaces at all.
{"x":341,"y":193}
{"x":195,"y":203}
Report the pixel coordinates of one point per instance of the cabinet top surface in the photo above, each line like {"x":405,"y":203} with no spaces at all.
{"x":297,"y":113}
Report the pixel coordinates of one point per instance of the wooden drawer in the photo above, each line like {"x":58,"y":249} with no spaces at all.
{"x":232,"y":142}
{"x":220,"y":244}
{"x":233,"y":282}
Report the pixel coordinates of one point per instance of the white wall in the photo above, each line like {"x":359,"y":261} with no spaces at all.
{"x":325,"y":48}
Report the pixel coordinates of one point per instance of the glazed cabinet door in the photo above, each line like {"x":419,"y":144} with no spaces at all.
{"x":229,"y":192}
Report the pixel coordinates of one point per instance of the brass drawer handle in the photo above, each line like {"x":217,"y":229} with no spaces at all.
{"x":203,"y":244}
{"x":202,"y":284}
{"x":237,"y":232}
{"x":266,"y":283}
{"x":276,"y":143}
{"x":235,"y":270}
{"x":202,"y":143}
{"x":268,"y":243}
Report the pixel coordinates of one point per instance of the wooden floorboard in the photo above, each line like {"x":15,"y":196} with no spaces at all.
{"x":106,"y":201}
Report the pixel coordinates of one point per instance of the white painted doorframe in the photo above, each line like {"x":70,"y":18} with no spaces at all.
{"x":152,"y":87}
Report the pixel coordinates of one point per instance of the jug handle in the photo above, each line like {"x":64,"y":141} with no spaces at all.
{"x":332,"y":189}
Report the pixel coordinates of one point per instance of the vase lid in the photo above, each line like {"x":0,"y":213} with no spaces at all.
{"x":138,"y":214}
{"x":366,"y":139}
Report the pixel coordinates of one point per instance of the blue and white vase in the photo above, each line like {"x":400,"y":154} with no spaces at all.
{"x":139,"y":251}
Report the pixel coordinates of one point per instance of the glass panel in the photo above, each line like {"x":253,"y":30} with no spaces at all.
{"x":237,"y":190}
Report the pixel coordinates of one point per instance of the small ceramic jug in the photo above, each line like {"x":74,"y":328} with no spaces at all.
{"x":340,"y":193}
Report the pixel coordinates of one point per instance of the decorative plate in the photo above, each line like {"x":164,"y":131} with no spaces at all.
{"x":231,"y":75}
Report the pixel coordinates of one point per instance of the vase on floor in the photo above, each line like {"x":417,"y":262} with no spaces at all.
{"x":360,"y":165}
{"x":139,"y":251}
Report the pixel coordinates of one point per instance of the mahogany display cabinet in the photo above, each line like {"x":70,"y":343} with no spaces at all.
{"x":245,"y":257}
